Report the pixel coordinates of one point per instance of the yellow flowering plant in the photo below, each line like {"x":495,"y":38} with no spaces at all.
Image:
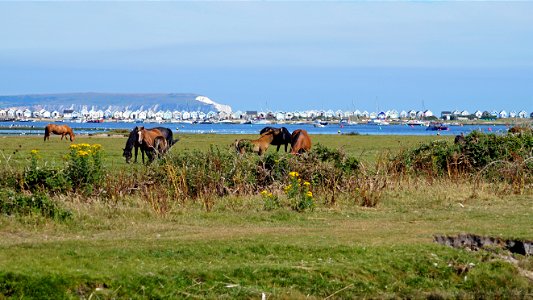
{"x":299,"y":194}
{"x":271,"y":201}
{"x":84,"y":166}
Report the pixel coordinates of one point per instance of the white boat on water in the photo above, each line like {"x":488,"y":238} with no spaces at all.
{"x":261,"y":122}
{"x":417,"y":123}
{"x":320,"y":124}
{"x":378,"y":122}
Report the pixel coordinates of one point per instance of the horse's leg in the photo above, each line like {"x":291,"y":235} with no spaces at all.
{"x":277,"y":149}
{"x":142,"y":154}
{"x":286,"y":145}
{"x":136,"y":153}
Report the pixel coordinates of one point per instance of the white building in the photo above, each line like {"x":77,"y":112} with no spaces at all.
{"x":26,"y":113}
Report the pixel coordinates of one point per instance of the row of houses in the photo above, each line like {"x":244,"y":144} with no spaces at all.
{"x":167,"y":115}
{"x":389,"y":114}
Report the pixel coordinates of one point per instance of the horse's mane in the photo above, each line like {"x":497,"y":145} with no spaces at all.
{"x":266,"y":129}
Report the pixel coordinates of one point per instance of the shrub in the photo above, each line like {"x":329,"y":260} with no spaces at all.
{"x":12,"y":203}
{"x":504,"y":158}
{"x":477,"y":151}
{"x":84,"y":168}
{"x":37,"y":177}
{"x":204,"y":175}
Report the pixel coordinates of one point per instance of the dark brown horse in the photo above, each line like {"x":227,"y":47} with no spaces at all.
{"x":152,"y":142}
{"x":258,"y":146}
{"x":58,"y":129}
{"x":282,"y":136}
{"x":300,"y":142}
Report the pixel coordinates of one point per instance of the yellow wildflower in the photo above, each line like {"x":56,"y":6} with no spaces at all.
{"x":294,"y":174}
{"x":287,"y":188}
{"x":96,"y":147}
{"x":34,"y":152}
{"x":74,"y":146}
{"x":264,"y":193}
{"x":270,"y":195}
{"x":307,"y":183}
{"x":309,"y":194}
{"x":82,"y":153}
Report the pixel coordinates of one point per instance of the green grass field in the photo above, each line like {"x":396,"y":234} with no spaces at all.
{"x":16,"y":150}
{"x":123,"y":249}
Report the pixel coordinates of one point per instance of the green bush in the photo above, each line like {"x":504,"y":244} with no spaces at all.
{"x":477,"y":153}
{"x":12,"y":203}
{"x":41,"y":178}
{"x":84,"y":168}
{"x":83,"y":171}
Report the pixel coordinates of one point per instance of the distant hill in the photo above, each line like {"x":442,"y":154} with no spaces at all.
{"x":114,"y":101}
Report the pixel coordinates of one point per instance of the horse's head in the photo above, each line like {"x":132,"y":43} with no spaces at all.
{"x":127,"y":154}
{"x":72,"y":136}
{"x":271,"y":131}
{"x":265,"y":130}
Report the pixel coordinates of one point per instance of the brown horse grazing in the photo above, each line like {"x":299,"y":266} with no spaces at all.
{"x":152,"y":142}
{"x":58,"y":129}
{"x":258,"y":146}
{"x":300,"y":142}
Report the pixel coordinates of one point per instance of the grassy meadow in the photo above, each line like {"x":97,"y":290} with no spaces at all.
{"x":16,"y":149}
{"x":128,"y":247}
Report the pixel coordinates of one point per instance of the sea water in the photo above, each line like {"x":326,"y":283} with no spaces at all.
{"x":36,"y":128}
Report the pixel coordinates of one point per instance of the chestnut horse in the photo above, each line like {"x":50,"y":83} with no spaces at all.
{"x":300,"y":142}
{"x":258,"y":146}
{"x":152,"y":142}
{"x":58,"y":129}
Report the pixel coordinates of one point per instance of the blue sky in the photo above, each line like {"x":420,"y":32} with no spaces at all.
{"x":277,"y":55}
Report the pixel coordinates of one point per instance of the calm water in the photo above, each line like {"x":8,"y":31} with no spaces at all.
{"x":21,"y":128}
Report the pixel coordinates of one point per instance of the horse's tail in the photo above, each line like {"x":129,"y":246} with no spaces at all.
{"x":46,"y":132}
{"x":174,"y":141}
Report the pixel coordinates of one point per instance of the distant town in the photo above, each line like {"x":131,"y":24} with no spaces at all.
{"x":93,"y":115}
